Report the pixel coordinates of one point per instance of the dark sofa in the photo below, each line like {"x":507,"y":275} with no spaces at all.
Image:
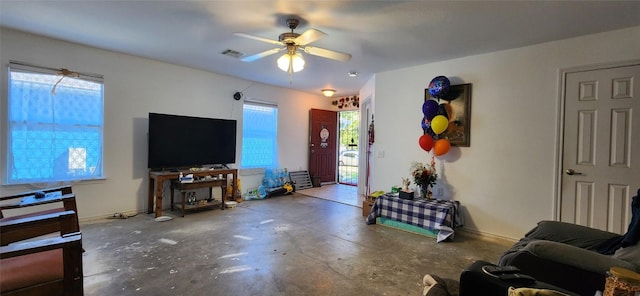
{"x":566,"y":255}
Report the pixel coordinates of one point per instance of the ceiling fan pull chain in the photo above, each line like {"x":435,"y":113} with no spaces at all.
{"x":290,"y":71}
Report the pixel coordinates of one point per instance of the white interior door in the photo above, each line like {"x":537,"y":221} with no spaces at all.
{"x":601,"y":165}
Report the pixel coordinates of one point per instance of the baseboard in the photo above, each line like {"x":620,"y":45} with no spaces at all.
{"x":472,"y":233}
{"x":101,"y":218}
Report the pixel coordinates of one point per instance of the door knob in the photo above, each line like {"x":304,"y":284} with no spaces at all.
{"x":571,"y":172}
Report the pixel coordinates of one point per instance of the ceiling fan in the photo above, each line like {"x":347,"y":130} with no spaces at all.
{"x":292,"y":61}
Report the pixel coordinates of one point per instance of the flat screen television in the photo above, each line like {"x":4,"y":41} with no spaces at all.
{"x":177,"y":141}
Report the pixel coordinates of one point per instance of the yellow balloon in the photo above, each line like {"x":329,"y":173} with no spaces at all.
{"x":439,"y":124}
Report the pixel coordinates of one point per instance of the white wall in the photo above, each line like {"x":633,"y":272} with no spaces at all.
{"x":506,"y":179}
{"x":134,"y":87}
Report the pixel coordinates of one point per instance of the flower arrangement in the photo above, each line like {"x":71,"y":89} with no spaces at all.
{"x":424,"y":175}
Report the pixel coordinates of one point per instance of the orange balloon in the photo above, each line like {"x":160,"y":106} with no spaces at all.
{"x":426,"y":142}
{"x":441,"y":147}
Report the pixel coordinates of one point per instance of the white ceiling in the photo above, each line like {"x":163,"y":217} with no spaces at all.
{"x":381,"y":35}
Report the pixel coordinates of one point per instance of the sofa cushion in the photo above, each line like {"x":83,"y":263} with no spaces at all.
{"x":560,"y":232}
{"x":571,"y":234}
{"x":27,"y":270}
{"x":575,"y":256}
{"x":630,"y":254}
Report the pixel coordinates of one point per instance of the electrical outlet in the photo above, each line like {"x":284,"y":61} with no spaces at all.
{"x":439,"y":191}
{"x":381,"y":154}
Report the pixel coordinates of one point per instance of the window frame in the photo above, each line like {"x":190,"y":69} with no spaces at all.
{"x":275,"y":160}
{"x":96,"y":128}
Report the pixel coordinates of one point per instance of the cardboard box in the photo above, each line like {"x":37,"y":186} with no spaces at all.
{"x":366,"y":207}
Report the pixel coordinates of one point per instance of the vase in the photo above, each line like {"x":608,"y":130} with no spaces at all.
{"x":425,"y":191}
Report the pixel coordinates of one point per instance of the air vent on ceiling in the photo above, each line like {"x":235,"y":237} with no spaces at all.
{"x":232,"y":53}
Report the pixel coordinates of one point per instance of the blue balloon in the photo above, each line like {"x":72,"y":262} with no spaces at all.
{"x":426,"y":123}
{"x":430,"y":109}
{"x":439,"y":86}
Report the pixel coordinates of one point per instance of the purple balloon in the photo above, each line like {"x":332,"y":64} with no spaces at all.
{"x":430,"y":109}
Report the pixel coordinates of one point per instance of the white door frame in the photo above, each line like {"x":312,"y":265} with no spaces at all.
{"x":365,"y":120}
{"x":562,"y":75}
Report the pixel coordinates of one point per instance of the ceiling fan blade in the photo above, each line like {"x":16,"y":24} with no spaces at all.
{"x":274,"y":42}
{"x":329,"y":54}
{"x":309,"y":36}
{"x":260,"y":55}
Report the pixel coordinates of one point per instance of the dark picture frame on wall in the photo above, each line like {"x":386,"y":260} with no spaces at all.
{"x":457,"y":106}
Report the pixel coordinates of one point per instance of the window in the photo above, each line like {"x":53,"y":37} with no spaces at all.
{"x":55,"y":125}
{"x":259,"y":136}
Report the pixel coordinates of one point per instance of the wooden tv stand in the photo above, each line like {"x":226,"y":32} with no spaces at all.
{"x":184,"y":188}
{"x":157,"y":178}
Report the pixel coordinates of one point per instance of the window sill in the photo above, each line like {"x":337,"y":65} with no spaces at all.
{"x":40,"y":185}
{"x":251,"y":172}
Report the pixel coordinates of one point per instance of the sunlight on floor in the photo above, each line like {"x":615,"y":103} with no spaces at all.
{"x":345,"y":194}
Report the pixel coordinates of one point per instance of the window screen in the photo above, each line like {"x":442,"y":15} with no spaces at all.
{"x":55,"y":128}
{"x":259,"y":136}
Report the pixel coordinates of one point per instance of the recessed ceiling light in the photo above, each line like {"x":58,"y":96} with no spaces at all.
{"x":353,"y":73}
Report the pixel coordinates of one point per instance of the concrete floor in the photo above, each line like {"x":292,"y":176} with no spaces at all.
{"x":287,"y":245}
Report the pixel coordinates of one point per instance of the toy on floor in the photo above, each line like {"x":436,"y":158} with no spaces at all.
{"x":287,"y":188}
{"x":277,"y":182}
{"x":238,"y":191}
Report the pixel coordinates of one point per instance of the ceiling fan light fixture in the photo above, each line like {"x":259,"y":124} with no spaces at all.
{"x":328,"y":92}
{"x":294,"y":61}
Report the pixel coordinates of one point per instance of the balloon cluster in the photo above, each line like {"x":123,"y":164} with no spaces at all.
{"x":435,"y":120}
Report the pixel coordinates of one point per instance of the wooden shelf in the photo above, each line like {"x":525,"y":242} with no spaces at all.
{"x":198,"y":205}
{"x":184,"y":188}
